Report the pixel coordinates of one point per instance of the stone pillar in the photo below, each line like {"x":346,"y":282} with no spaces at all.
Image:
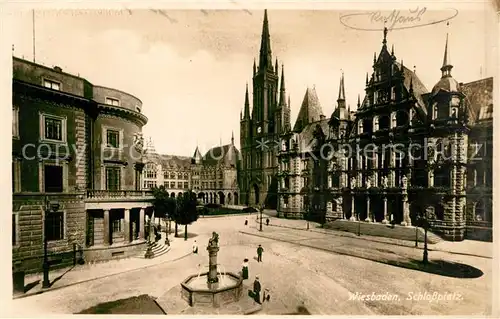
{"x":141,"y":224}
{"x":385,"y":221}
{"x":126,"y":225}
{"x":353,"y":214}
{"x":212,"y":278}
{"x":406,"y":212}
{"x":106,"y":228}
{"x":367,"y":219}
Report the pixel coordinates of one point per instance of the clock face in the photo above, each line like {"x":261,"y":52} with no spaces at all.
{"x":259,"y":129}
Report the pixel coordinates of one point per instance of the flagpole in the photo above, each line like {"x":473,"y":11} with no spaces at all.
{"x":33,"y":16}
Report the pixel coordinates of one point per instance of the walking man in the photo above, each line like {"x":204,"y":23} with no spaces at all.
{"x":260,"y":250}
{"x":256,"y":290}
{"x":246,"y":221}
{"x":195,"y":248}
{"x":267,"y":221}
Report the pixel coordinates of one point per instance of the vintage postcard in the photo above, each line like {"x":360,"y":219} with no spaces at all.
{"x":239,"y":158}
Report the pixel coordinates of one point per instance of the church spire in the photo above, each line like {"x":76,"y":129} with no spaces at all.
{"x":446,"y":68}
{"x":341,"y":90}
{"x":247,"y":105}
{"x":254,"y":67}
{"x":282,"y":87}
{"x":232,"y":137}
{"x":265,"y":60}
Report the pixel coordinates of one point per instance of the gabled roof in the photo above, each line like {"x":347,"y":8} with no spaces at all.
{"x":174,"y":161}
{"x":306,"y":136}
{"x":227,"y":154}
{"x":310,"y":110}
{"x":479,"y":99}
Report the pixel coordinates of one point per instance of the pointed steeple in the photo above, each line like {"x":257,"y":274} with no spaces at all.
{"x":446,"y":68}
{"x":282,"y":87}
{"x":359,"y":102}
{"x":384,"y":42}
{"x":254,"y":67}
{"x":247,"y":105}
{"x":341,"y":90}
{"x":392,"y":50}
{"x":366,"y":78}
{"x":265,"y":59}
{"x":232,"y":138}
{"x":374,"y":57}
{"x":310,"y":110}
{"x":276,"y":66}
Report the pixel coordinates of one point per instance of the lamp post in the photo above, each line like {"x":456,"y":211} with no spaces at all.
{"x":426,"y":253}
{"x":261,"y":210}
{"x":416,"y":230}
{"x":49,"y":206}
{"x":359,"y":225}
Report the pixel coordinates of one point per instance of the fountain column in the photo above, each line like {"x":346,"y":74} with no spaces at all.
{"x":213,"y":249}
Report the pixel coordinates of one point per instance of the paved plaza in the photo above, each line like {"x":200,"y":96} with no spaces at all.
{"x":327,"y":272}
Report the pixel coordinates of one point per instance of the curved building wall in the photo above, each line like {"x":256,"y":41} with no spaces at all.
{"x":102,"y":95}
{"x":119,"y":154}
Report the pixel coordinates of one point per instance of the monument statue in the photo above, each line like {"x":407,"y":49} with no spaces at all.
{"x":384,"y":181}
{"x":214,"y":241}
{"x":353,"y":182}
{"x":213,"y":248}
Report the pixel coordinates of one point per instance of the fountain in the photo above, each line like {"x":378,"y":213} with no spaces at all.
{"x":212,"y":288}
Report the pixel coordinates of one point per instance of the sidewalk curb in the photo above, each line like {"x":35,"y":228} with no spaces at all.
{"x":339,"y":234}
{"x":96,"y":278}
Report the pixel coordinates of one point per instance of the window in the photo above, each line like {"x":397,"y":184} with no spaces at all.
{"x":53,"y":179}
{"x":186,"y":185}
{"x":16,"y":175}
{"x":53,"y":129}
{"x":113,"y":178}
{"x":15,"y":122}
{"x":138,"y":108}
{"x":165,"y":175}
{"x":54,"y":225}
{"x":220,"y":185}
{"x":172,"y":184}
{"x":112,"y":101}
{"x":52,"y":85}
{"x":112,"y":138}
{"x":14,"y":230}
{"x":117,"y":225}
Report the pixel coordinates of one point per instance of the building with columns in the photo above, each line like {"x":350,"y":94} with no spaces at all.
{"x":405,"y":154}
{"x":76,"y":168}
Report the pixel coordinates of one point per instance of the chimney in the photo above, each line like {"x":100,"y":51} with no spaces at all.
{"x":57,"y":68}
{"x":322,"y":117}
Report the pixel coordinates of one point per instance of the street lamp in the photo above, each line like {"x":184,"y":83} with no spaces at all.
{"x":425,"y":224}
{"x":417,"y":219}
{"x":359,"y":225}
{"x":54,"y":207}
{"x":261,"y":210}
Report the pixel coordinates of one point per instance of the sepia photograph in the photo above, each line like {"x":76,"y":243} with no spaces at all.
{"x":252,"y":159}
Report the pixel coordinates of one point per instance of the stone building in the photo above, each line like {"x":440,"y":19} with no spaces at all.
{"x":76,"y":167}
{"x":405,"y":154}
{"x":171,"y":171}
{"x":214,"y":176}
{"x":260,"y":129}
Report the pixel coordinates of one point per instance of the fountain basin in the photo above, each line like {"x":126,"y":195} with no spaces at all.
{"x":196,"y":291}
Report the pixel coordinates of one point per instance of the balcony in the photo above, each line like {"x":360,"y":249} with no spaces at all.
{"x":118,"y":199}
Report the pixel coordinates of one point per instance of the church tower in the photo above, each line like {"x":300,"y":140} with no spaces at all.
{"x":260,"y":128}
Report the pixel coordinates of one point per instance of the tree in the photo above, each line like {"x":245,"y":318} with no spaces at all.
{"x":187,"y":211}
{"x":163,"y":204}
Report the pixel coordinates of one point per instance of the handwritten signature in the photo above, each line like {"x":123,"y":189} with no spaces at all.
{"x":394,"y":20}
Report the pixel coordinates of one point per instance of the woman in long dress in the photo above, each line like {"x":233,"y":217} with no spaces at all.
{"x":244,"y":269}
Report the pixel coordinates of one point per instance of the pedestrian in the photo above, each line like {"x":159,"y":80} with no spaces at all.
{"x":260,"y":250}
{"x":195,"y":248}
{"x":246,"y":221}
{"x":244,"y":269}
{"x":267,"y":221}
{"x":256,"y":290}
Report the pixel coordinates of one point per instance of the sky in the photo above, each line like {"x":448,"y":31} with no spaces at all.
{"x":190,"y":67}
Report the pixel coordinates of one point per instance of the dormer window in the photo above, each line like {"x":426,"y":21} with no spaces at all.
{"x":138,"y":108}
{"x":111,"y":101}
{"x":360,"y":127}
{"x":52,"y":85}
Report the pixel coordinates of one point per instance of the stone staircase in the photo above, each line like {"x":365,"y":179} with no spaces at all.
{"x":383,"y":230}
{"x":158,"y":248}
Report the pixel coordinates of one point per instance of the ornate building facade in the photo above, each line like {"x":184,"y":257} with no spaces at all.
{"x":260,"y":129}
{"x":405,"y":154}
{"x":213,"y":176}
{"x":76,"y":167}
